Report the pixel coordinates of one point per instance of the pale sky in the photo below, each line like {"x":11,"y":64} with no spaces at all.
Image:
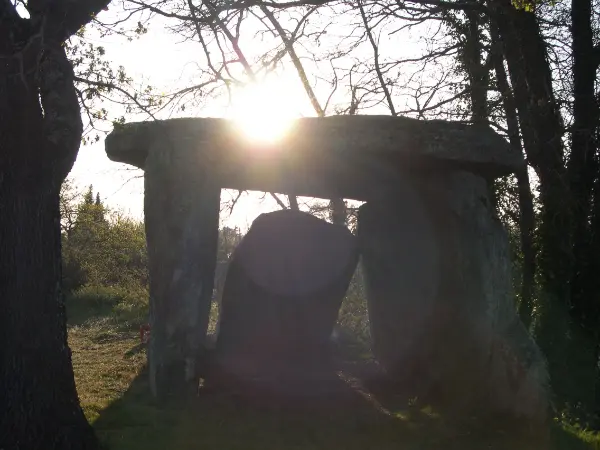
{"x":161,"y":59}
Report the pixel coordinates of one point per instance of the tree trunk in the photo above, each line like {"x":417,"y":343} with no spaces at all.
{"x":527,"y":227}
{"x":478,"y":74}
{"x":527,"y":214}
{"x":293,"y":202}
{"x":582,"y":166}
{"x":542,"y":129}
{"x":595,"y":284}
{"x":40,"y":408}
{"x":339,"y":215}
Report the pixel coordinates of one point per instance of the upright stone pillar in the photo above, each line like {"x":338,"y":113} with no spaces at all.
{"x":400,"y":256}
{"x":285,"y":285}
{"x":181,"y":205}
{"x":440,"y":302}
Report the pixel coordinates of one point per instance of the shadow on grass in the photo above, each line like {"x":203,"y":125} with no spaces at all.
{"x":342,"y":416}
{"x":492,"y":433}
{"x":96,"y":304}
{"x":217,"y":419}
{"x":83,"y":311}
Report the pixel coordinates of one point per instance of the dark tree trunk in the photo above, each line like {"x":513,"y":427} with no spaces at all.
{"x":339,"y":215}
{"x":38,"y":144}
{"x":583,"y":167}
{"x":527,"y":214}
{"x":40,"y":408}
{"x":542,"y":130}
{"x":293,"y":202}
{"x":527,"y":227}
{"x":477,"y":72}
{"x":594,"y":283}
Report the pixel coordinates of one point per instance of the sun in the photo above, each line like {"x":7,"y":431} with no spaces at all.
{"x":263,"y":111}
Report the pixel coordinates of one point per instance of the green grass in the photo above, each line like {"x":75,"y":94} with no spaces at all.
{"x":109,"y":368}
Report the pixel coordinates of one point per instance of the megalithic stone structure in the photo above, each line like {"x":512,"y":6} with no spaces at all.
{"x":425,"y":184}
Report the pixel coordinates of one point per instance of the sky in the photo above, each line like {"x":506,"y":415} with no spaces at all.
{"x":159,"y":58}
{"x":164,"y":60}
{"x":122,"y":186}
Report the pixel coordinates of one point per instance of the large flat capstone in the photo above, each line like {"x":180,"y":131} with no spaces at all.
{"x":343,"y":156}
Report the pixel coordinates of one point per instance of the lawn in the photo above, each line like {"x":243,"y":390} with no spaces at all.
{"x":109,"y":369}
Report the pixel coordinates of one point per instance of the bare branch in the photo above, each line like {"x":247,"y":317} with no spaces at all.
{"x":278,"y":200}
{"x":382,"y":82}
{"x":234,"y":202}
{"x":133,"y":98}
{"x":296,"y":61}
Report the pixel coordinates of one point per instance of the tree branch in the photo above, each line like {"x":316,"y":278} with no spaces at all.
{"x":62,"y":124}
{"x":278,"y":200}
{"x":289,"y":47}
{"x":65,"y":17}
{"x":116,"y":88}
{"x":382,"y":82}
{"x":168,"y":15}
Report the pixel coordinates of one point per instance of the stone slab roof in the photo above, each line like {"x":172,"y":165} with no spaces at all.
{"x":336,"y":155}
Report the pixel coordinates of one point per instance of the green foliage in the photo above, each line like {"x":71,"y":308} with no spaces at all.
{"x":353,"y":316}
{"x":103,"y":249}
{"x":229,"y":238}
{"x":531,"y":5}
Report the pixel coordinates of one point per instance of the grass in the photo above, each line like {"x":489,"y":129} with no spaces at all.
{"x":109,"y":365}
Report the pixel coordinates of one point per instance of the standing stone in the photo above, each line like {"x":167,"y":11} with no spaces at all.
{"x":181,"y":206}
{"x":285,"y":285}
{"x":442,"y":312}
{"x":400,"y":257}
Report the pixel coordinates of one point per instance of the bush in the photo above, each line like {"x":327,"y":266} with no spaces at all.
{"x":102,"y":248}
{"x":354,"y":317}
{"x":105,"y":264}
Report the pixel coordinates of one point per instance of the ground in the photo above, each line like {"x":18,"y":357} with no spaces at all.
{"x":109,"y":368}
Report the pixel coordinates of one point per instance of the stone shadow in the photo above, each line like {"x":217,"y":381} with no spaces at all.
{"x":351,"y":410}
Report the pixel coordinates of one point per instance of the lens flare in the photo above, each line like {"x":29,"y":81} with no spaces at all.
{"x":261,"y":112}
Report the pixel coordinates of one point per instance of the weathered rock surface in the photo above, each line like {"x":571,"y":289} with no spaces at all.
{"x":400,"y":257}
{"x":437,"y":273}
{"x":181,"y":206}
{"x":337,"y":156}
{"x":284,"y":287}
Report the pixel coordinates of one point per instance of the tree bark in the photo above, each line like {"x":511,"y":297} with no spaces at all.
{"x":40,"y":132}
{"x":477,"y":73}
{"x":583,"y":166}
{"x":40,"y":407}
{"x":293,"y":202}
{"x":339,"y":215}
{"x":542,"y":129}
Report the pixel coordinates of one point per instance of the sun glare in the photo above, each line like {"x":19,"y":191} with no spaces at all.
{"x":263,"y":112}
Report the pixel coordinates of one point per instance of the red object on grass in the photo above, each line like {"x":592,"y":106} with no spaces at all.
{"x":144,"y":333}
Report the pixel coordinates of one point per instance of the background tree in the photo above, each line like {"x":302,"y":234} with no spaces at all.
{"x":104,"y":249}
